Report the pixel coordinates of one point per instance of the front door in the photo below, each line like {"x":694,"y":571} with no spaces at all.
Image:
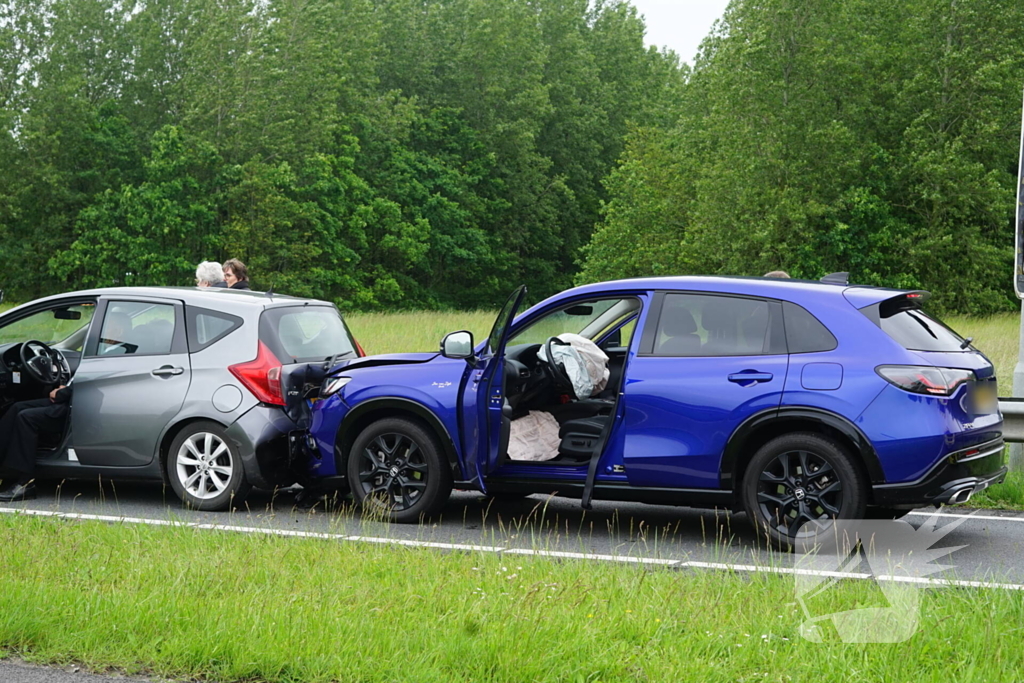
{"x":706,"y":363}
{"x":483,"y":398}
{"x":132,"y":380}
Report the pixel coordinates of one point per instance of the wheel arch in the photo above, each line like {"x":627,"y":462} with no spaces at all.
{"x":363,"y":415}
{"x":758,"y":429}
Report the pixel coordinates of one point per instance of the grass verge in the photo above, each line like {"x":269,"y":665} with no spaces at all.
{"x":187,"y":603}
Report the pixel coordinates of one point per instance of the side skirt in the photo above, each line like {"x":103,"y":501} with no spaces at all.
{"x":698,"y":498}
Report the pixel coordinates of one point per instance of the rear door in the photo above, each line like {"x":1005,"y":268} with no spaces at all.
{"x":706,"y":363}
{"x":131,"y":382}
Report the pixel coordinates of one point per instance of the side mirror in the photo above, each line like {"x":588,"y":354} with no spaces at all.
{"x":458,"y":345}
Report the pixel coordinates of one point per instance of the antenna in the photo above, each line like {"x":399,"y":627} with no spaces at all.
{"x":837,"y":278}
{"x":269,"y":293}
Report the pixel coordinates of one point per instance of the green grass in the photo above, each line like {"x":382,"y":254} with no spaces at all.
{"x":186,"y":603}
{"x":415,"y":331}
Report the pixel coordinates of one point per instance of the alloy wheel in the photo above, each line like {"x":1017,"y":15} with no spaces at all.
{"x":393,"y":471}
{"x":204,"y":465}
{"x":797,"y":487}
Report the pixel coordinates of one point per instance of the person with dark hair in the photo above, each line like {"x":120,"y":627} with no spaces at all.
{"x":236,"y":274}
{"x":778,"y":274}
{"x":19,"y":435}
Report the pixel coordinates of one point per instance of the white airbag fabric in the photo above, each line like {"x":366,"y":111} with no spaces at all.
{"x":534,"y":437}
{"x":584,"y":362}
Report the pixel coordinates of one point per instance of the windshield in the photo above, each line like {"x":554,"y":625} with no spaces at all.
{"x":306,"y":334}
{"x":590,"y":319}
{"x":504,"y":318}
{"x":915,"y":330}
{"x":51,"y":326}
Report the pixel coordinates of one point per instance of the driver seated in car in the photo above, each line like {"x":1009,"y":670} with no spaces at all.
{"x":19,"y":435}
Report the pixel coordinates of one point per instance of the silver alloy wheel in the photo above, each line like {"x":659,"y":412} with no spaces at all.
{"x":204,"y":465}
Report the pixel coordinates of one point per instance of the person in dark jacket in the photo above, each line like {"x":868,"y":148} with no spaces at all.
{"x":19,"y":436}
{"x":236,"y":274}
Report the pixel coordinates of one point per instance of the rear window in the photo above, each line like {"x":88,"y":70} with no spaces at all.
{"x":915,"y":330}
{"x":304,"y":334}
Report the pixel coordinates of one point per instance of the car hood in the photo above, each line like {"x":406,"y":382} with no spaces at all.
{"x":387,"y":359}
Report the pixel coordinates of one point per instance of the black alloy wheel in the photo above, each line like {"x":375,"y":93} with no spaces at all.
{"x":800,"y":479}
{"x":396,"y":466}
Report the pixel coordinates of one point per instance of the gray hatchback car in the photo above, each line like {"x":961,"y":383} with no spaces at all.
{"x":201,"y":388}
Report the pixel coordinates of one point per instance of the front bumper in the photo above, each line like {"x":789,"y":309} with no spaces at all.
{"x":955,"y":478}
{"x":268,"y":441}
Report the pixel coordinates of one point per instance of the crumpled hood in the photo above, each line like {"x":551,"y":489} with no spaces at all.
{"x":387,"y":359}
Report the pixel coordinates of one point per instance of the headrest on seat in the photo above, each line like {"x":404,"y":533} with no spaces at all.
{"x":677,"y":321}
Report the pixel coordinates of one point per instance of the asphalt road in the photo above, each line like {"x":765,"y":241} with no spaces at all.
{"x":20,"y":672}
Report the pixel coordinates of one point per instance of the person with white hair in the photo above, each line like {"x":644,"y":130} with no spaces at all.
{"x":210,"y":274}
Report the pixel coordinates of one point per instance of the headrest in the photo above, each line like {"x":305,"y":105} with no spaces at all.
{"x":677,"y":321}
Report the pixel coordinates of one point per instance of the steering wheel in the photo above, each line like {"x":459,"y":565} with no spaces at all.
{"x":558,"y":374}
{"x":43,"y":363}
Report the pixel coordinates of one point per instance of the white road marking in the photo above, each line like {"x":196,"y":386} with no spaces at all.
{"x":1015,"y":518}
{"x":624,"y":559}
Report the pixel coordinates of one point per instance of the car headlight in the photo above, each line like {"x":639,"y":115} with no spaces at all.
{"x":333,"y":385}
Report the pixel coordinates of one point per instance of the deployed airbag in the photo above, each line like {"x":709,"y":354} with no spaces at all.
{"x":584,"y":362}
{"x":534,"y":437}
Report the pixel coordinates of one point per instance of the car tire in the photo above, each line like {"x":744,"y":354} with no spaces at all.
{"x":205,"y":468}
{"x":801,"y":478}
{"x":396,"y":468}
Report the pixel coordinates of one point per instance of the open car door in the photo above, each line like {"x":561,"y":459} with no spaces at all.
{"x":483,"y":396}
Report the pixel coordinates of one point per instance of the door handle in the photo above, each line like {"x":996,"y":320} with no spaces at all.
{"x":751,"y":377}
{"x":167,"y":371}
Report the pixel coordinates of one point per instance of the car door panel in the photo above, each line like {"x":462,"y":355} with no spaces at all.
{"x":122,"y":403}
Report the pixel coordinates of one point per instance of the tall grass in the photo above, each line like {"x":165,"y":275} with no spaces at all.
{"x":185,"y":603}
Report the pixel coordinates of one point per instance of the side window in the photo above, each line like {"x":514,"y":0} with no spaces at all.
{"x":705,"y":325}
{"x":804,"y":332}
{"x":136,"y":328}
{"x":205,"y":327}
{"x":64,"y":327}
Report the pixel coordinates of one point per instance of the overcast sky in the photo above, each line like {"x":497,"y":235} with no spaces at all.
{"x":680,"y":24}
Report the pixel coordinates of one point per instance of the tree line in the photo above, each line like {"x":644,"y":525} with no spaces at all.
{"x":437,"y":153}
{"x":380,"y":153}
{"x":879,"y":138}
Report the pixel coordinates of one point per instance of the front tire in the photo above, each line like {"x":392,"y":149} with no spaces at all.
{"x":799,"y":479}
{"x":205,"y":468}
{"x":396,"y":467}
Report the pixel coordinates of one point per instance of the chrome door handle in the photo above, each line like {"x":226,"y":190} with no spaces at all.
{"x":167,"y":371}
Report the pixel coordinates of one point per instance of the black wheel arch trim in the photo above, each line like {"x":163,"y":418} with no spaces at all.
{"x":731,"y":457}
{"x":394,"y":404}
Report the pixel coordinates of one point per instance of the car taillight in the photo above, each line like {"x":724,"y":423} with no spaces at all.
{"x":261,"y":376}
{"x":359,"y":348}
{"x":925,"y":379}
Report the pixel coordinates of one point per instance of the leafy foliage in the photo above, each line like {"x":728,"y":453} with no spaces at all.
{"x":875,"y":138}
{"x":381,"y":153}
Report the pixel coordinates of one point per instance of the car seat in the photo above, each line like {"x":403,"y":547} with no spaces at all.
{"x":682,"y":340}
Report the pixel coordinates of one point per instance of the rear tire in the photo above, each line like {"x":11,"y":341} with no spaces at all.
{"x":799,"y":479}
{"x":396,"y":467}
{"x":205,"y":468}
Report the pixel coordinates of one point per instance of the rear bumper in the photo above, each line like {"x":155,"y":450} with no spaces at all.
{"x":953,"y":480}
{"x":267,"y":440}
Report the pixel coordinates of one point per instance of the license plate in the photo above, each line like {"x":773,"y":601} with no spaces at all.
{"x":985,"y":399}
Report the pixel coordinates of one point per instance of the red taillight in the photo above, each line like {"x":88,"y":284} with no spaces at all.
{"x":925,"y":379}
{"x":359,"y":348}
{"x":261,"y":376}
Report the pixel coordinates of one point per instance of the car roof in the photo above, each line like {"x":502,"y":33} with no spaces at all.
{"x":195,"y":296}
{"x":777,"y":288}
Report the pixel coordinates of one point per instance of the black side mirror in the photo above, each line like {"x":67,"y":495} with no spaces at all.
{"x":458,"y":345}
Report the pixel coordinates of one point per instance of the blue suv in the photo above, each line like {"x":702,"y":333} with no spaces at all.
{"x":794,"y":401}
